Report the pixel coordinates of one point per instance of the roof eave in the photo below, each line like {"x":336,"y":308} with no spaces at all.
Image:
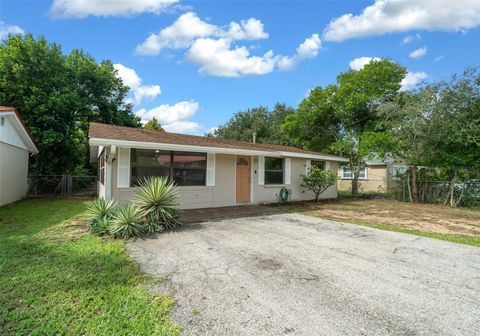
{"x":219,"y":150}
{"x":25,"y":135}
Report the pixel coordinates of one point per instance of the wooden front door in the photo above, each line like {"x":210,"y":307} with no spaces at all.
{"x":243,"y":179}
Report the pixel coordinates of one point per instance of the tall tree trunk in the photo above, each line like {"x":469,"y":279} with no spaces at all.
{"x":356,"y":174}
{"x":413,"y":170}
{"x":409,"y":189}
{"x":452,"y":189}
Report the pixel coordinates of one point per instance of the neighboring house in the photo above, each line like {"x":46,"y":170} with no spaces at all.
{"x":209,"y":172}
{"x":16,"y":144}
{"x":376,"y":176}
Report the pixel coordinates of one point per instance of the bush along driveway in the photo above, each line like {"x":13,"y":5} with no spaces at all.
{"x":292,"y":274}
{"x":56,"y":278}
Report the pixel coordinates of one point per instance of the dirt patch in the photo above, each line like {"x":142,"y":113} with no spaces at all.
{"x":423,"y":217}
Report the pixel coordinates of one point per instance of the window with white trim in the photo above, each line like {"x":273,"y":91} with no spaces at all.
{"x":348,"y":174}
{"x":274,"y":170}
{"x":185,"y":168}
{"x":319,"y":164}
{"x":397,"y":171}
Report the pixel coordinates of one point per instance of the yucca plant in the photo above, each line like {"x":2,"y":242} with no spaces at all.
{"x":101,"y":226}
{"x":127,"y":222}
{"x":100,"y":207}
{"x":157,"y":199}
{"x":100,"y":212}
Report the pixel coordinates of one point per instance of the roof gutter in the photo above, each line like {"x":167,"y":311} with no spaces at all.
{"x":217,"y":150}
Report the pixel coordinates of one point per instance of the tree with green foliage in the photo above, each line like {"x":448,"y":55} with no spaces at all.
{"x":264,"y":123}
{"x":343,"y":118}
{"x":438,"y":127}
{"x":153,"y":125}
{"x":318,"y":180}
{"x":57,"y":95}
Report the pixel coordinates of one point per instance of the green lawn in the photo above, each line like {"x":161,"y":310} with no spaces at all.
{"x":58,"y":279}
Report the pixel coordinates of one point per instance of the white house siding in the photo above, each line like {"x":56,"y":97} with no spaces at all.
{"x":194,"y":197}
{"x":268,"y":193}
{"x":13,"y":173}
{"x":224,"y":191}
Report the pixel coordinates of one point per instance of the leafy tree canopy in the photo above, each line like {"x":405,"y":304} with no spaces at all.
{"x":57,"y":95}
{"x":343,"y":118}
{"x":265,"y":123}
{"x":153,"y":125}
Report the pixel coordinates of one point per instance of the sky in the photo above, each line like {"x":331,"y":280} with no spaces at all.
{"x":193,"y":64}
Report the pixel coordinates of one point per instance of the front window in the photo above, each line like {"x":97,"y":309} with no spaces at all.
{"x":319,"y":164}
{"x":185,"y":168}
{"x":397,"y":171}
{"x":348,"y":174}
{"x":273,"y":170}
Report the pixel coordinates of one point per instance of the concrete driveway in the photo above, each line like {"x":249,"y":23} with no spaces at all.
{"x":288,"y":274}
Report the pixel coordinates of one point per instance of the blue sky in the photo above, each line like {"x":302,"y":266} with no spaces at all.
{"x":193,"y":75}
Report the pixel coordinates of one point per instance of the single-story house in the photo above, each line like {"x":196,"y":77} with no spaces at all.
{"x":209,"y":172}
{"x":376,"y":176}
{"x":16,"y":144}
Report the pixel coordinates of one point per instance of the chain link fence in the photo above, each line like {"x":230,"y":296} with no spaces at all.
{"x":49,"y":185}
{"x":464,"y":193}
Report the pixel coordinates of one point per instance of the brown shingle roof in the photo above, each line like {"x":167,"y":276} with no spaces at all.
{"x":104,"y":131}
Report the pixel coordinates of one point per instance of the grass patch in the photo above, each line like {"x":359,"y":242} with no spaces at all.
{"x":56,"y":278}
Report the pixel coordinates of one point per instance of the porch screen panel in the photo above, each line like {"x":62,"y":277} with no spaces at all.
{"x":148,"y":162}
{"x":189,"y":168}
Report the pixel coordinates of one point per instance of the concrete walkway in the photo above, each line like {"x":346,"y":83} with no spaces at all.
{"x":207,"y":214}
{"x":288,"y":274}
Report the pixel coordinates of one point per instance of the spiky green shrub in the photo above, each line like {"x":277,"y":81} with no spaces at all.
{"x":127,"y":222}
{"x":100,"y":212}
{"x":101,"y":226}
{"x":157,"y":201}
{"x":100,"y":207}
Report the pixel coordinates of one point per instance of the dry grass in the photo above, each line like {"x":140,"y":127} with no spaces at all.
{"x":454,"y":224}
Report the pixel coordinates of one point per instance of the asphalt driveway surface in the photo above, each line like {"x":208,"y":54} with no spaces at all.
{"x":288,"y":274}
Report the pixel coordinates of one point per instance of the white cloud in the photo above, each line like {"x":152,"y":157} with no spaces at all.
{"x":132,"y":80}
{"x":82,"y":8}
{"x":218,"y":59}
{"x":172,"y":117}
{"x":212,"y":47}
{"x":148,"y":92}
{"x":128,"y":75}
{"x":358,"y":63}
{"x":189,"y":27}
{"x":393,"y":16}
{"x":308,"y":49}
{"x":6,"y":29}
{"x":420,"y":52}
{"x":410,"y":38}
{"x":182,"y":127}
{"x":412,"y":79}
{"x":251,"y":29}
{"x":439,"y":58}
